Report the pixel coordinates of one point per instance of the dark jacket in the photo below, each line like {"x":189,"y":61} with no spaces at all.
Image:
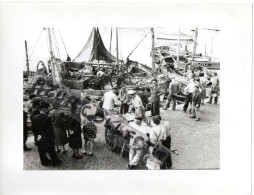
{"x":34,"y":112}
{"x":73,"y":125}
{"x":44,"y":127}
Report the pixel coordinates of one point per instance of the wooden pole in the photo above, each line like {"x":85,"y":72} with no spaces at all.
{"x":110,"y":41}
{"x":117,"y":57}
{"x":153,"y":62}
{"x":178,"y":45}
{"x":52,"y":57}
{"x":195,"y":41}
{"x":27,"y":62}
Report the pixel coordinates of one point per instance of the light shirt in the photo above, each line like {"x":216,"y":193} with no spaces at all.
{"x":157,"y":133}
{"x":215,"y":81}
{"x":190,"y":88}
{"x":167,"y":127}
{"x":137,"y":102}
{"x":100,"y":73}
{"x":110,"y":99}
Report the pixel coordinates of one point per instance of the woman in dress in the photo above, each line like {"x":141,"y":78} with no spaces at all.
{"x":59,"y":127}
{"x":75,"y":140}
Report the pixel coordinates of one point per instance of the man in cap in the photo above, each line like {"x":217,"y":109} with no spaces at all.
{"x":46,"y":137}
{"x":135,"y":100}
{"x":109,"y":101}
{"x":174,"y":89}
{"x":33,"y":109}
{"x":196,"y":100}
{"x":155,"y":98}
{"x":145,"y":94}
{"x":139,"y":93}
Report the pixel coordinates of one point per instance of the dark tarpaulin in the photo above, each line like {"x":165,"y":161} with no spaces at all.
{"x":95,"y":50}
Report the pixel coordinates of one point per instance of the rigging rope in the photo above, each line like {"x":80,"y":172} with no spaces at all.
{"x":47,"y":40}
{"x":56,"y":45}
{"x":138,"y":44}
{"x":36,"y":44}
{"x":63,"y":42}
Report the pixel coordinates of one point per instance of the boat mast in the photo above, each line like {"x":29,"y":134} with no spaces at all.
{"x":27,"y":62}
{"x":195,"y":41}
{"x":52,"y":57}
{"x":178,"y":45}
{"x":110,"y":41}
{"x":153,"y":63}
{"x":117,"y":59}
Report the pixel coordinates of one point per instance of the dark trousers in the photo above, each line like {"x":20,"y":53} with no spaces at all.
{"x":47,"y":147}
{"x":187,"y":101}
{"x":34,"y":131}
{"x":215,"y":99}
{"x":124,"y":108}
{"x":155,"y":110}
{"x":167,"y":144}
{"x":24,"y":137}
{"x":173,"y":98}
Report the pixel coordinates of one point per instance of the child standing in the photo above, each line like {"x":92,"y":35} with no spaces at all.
{"x":75,"y":140}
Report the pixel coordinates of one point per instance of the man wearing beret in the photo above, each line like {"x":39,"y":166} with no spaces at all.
{"x":45,"y":137}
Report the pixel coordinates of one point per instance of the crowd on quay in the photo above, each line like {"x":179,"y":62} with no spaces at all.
{"x":53,"y":129}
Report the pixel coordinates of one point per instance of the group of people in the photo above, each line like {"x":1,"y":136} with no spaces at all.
{"x":159,"y":134}
{"x":195,"y":93}
{"x":53,"y":129}
{"x":131,"y":100}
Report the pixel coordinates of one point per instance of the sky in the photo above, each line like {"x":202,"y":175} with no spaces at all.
{"x":128,"y":39}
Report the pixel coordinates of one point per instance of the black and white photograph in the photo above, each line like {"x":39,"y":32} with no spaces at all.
{"x":118,"y":94}
{"x":132,"y":98}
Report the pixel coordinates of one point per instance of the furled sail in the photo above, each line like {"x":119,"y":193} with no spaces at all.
{"x":94,"y":50}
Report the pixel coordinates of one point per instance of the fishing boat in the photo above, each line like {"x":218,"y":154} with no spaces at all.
{"x":206,"y":62}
